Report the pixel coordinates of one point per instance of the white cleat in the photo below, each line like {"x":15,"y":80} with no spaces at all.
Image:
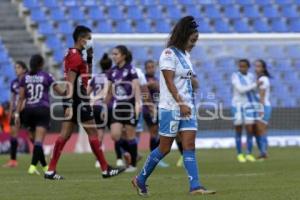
{"x":120,"y":163}
{"x":130,"y":169}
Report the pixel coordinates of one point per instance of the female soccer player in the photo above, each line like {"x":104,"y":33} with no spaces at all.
{"x":124,"y":89}
{"x":263,"y":77}
{"x":34,"y":90}
{"x":177,"y":114}
{"x":243,"y":110}
{"x":98,"y":87}
{"x":20,"y":69}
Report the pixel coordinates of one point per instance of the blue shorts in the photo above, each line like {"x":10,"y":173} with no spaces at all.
{"x":170,"y":122}
{"x":243,"y":115}
{"x":267,"y":115}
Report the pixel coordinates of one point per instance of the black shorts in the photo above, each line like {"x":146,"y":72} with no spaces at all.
{"x":124,"y":114}
{"x":101,"y":123}
{"x":82,"y":110}
{"x":150,"y":121}
{"x":37,"y":116}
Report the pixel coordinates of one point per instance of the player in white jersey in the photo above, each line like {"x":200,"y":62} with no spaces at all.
{"x":177,"y":112}
{"x":243,"y":102}
{"x":264,"y":114}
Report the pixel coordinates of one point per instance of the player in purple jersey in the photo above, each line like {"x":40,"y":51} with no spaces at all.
{"x":34,"y":90}
{"x":20,"y":69}
{"x":124,"y":91}
{"x":98,"y":87}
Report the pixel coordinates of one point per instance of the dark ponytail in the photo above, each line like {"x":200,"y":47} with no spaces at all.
{"x":36,"y":63}
{"x":265,"y":68}
{"x":22,"y":64}
{"x":181,"y":32}
{"x":124,"y":51}
{"x":105,"y":62}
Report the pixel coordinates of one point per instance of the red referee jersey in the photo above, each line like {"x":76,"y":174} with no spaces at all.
{"x":73,"y":61}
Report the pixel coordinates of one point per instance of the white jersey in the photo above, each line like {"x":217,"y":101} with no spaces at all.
{"x":141,"y":76}
{"x":265,"y":86}
{"x":243,"y":88}
{"x":182,"y":79}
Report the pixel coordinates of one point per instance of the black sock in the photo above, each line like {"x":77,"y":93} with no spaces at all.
{"x":13,"y":148}
{"x":38,"y":154}
{"x":132,"y":149}
{"x":118,"y":149}
{"x":154,"y":142}
{"x":179,"y":144}
{"x":35,"y":155}
{"x":42,"y":156}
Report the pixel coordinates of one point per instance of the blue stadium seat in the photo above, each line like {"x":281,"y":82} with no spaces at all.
{"x":204,"y":26}
{"x":123,"y":27}
{"x":294,"y":25}
{"x":156,"y":51}
{"x":251,"y":11}
{"x":31,"y":4}
{"x":69,"y":42}
{"x":289,"y":11}
{"x":166,"y":2}
{"x":198,"y":52}
{"x":53,"y":42}
{"x":292,"y":51}
{"x":59,"y":55}
{"x":232,"y":12}
{"x":221,"y":26}
{"x":271,"y":11}
{"x":173,"y":12}
{"x":143,"y":26}
{"x":76,"y":13}
{"x":264,"y":2}
{"x":212,"y":11}
{"x":50,"y":4}
{"x":162,"y":26}
{"x":284,"y":2}
{"x":90,"y":3}
{"x":139,"y":53}
{"x":134,"y":12}
{"x":297,"y":2}
{"x":147,"y":2}
{"x":115,"y":13}
{"x":226,"y":2}
{"x":65,"y":28}
{"x":241,"y":26}
{"x":261,"y":26}
{"x":185,"y":2}
{"x":70,"y":3}
{"x":96,"y":14}
{"x":193,"y":10}
{"x":256,"y":51}
{"x":245,"y":2}
{"x":154,"y":12}
{"x":276,"y":51}
{"x":38,"y":15}
{"x":57,"y":14}
{"x":104,"y":27}
{"x":129,"y":2}
{"x":279,"y":25}
{"x":45,"y":28}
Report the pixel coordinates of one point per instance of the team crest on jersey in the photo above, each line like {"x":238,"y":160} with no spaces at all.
{"x":125,"y":73}
{"x":133,"y":71}
{"x":174,"y":126}
{"x":168,"y":52}
{"x":114,"y":74}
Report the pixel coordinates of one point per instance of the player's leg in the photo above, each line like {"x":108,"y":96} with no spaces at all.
{"x":38,"y":152}
{"x":238,"y":127}
{"x":13,"y":147}
{"x":100,"y":138}
{"x":180,"y":148}
{"x":132,"y":146}
{"x":250,"y":132}
{"x":116,"y":130}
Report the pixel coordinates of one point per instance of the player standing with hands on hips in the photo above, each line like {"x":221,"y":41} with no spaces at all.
{"x":177,"y":111}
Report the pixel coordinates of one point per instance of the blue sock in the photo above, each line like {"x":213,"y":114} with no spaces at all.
{"x":191,"y":167}
{"x":249,"y":143}
{"x":151,"y":162}
{"x":258,"y":142}
{"x":238,"y":142}
{"x":264,"y":145}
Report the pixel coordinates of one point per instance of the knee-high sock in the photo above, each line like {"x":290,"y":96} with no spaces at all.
{"x":190,"y":163}
{"x":154,"y":142}
{"x":58,"y":147}
{"x":41,"y":155}
{"x":35,"y":155}
{"x":95,"y":146}
{"x":238,"y":142}
{"x":264,"y":145}
{"x":132,"y":149}
{"x":118,"y":149}
{"x":249,"y":143}
{"x":150,"y":164}
{"x":13,"y":148}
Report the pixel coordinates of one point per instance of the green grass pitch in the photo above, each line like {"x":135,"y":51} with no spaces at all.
{"x":275,"y":179}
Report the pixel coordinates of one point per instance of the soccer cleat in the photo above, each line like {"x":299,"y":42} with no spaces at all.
{"x":202,"y":191}
{"x":11,"y":164}
{"x":45,"y":169}
{"x":140,"y":187}
{"x":130,"y":169}
{"x":33,"y":170}
{"x":111,"y":172}
{"x":97,"y":164}
{"x":119,"y":163}
{"x":262,"y":158}
{"x":250,"y":158}
{"x":163,"y":164}
{"x":180,"y":162}
{"x":53,"y":176}
{"x":241,"y":158}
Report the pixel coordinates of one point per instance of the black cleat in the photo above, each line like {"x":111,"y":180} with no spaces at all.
{"x":112,"y":171}
{"x":53,"y":176}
